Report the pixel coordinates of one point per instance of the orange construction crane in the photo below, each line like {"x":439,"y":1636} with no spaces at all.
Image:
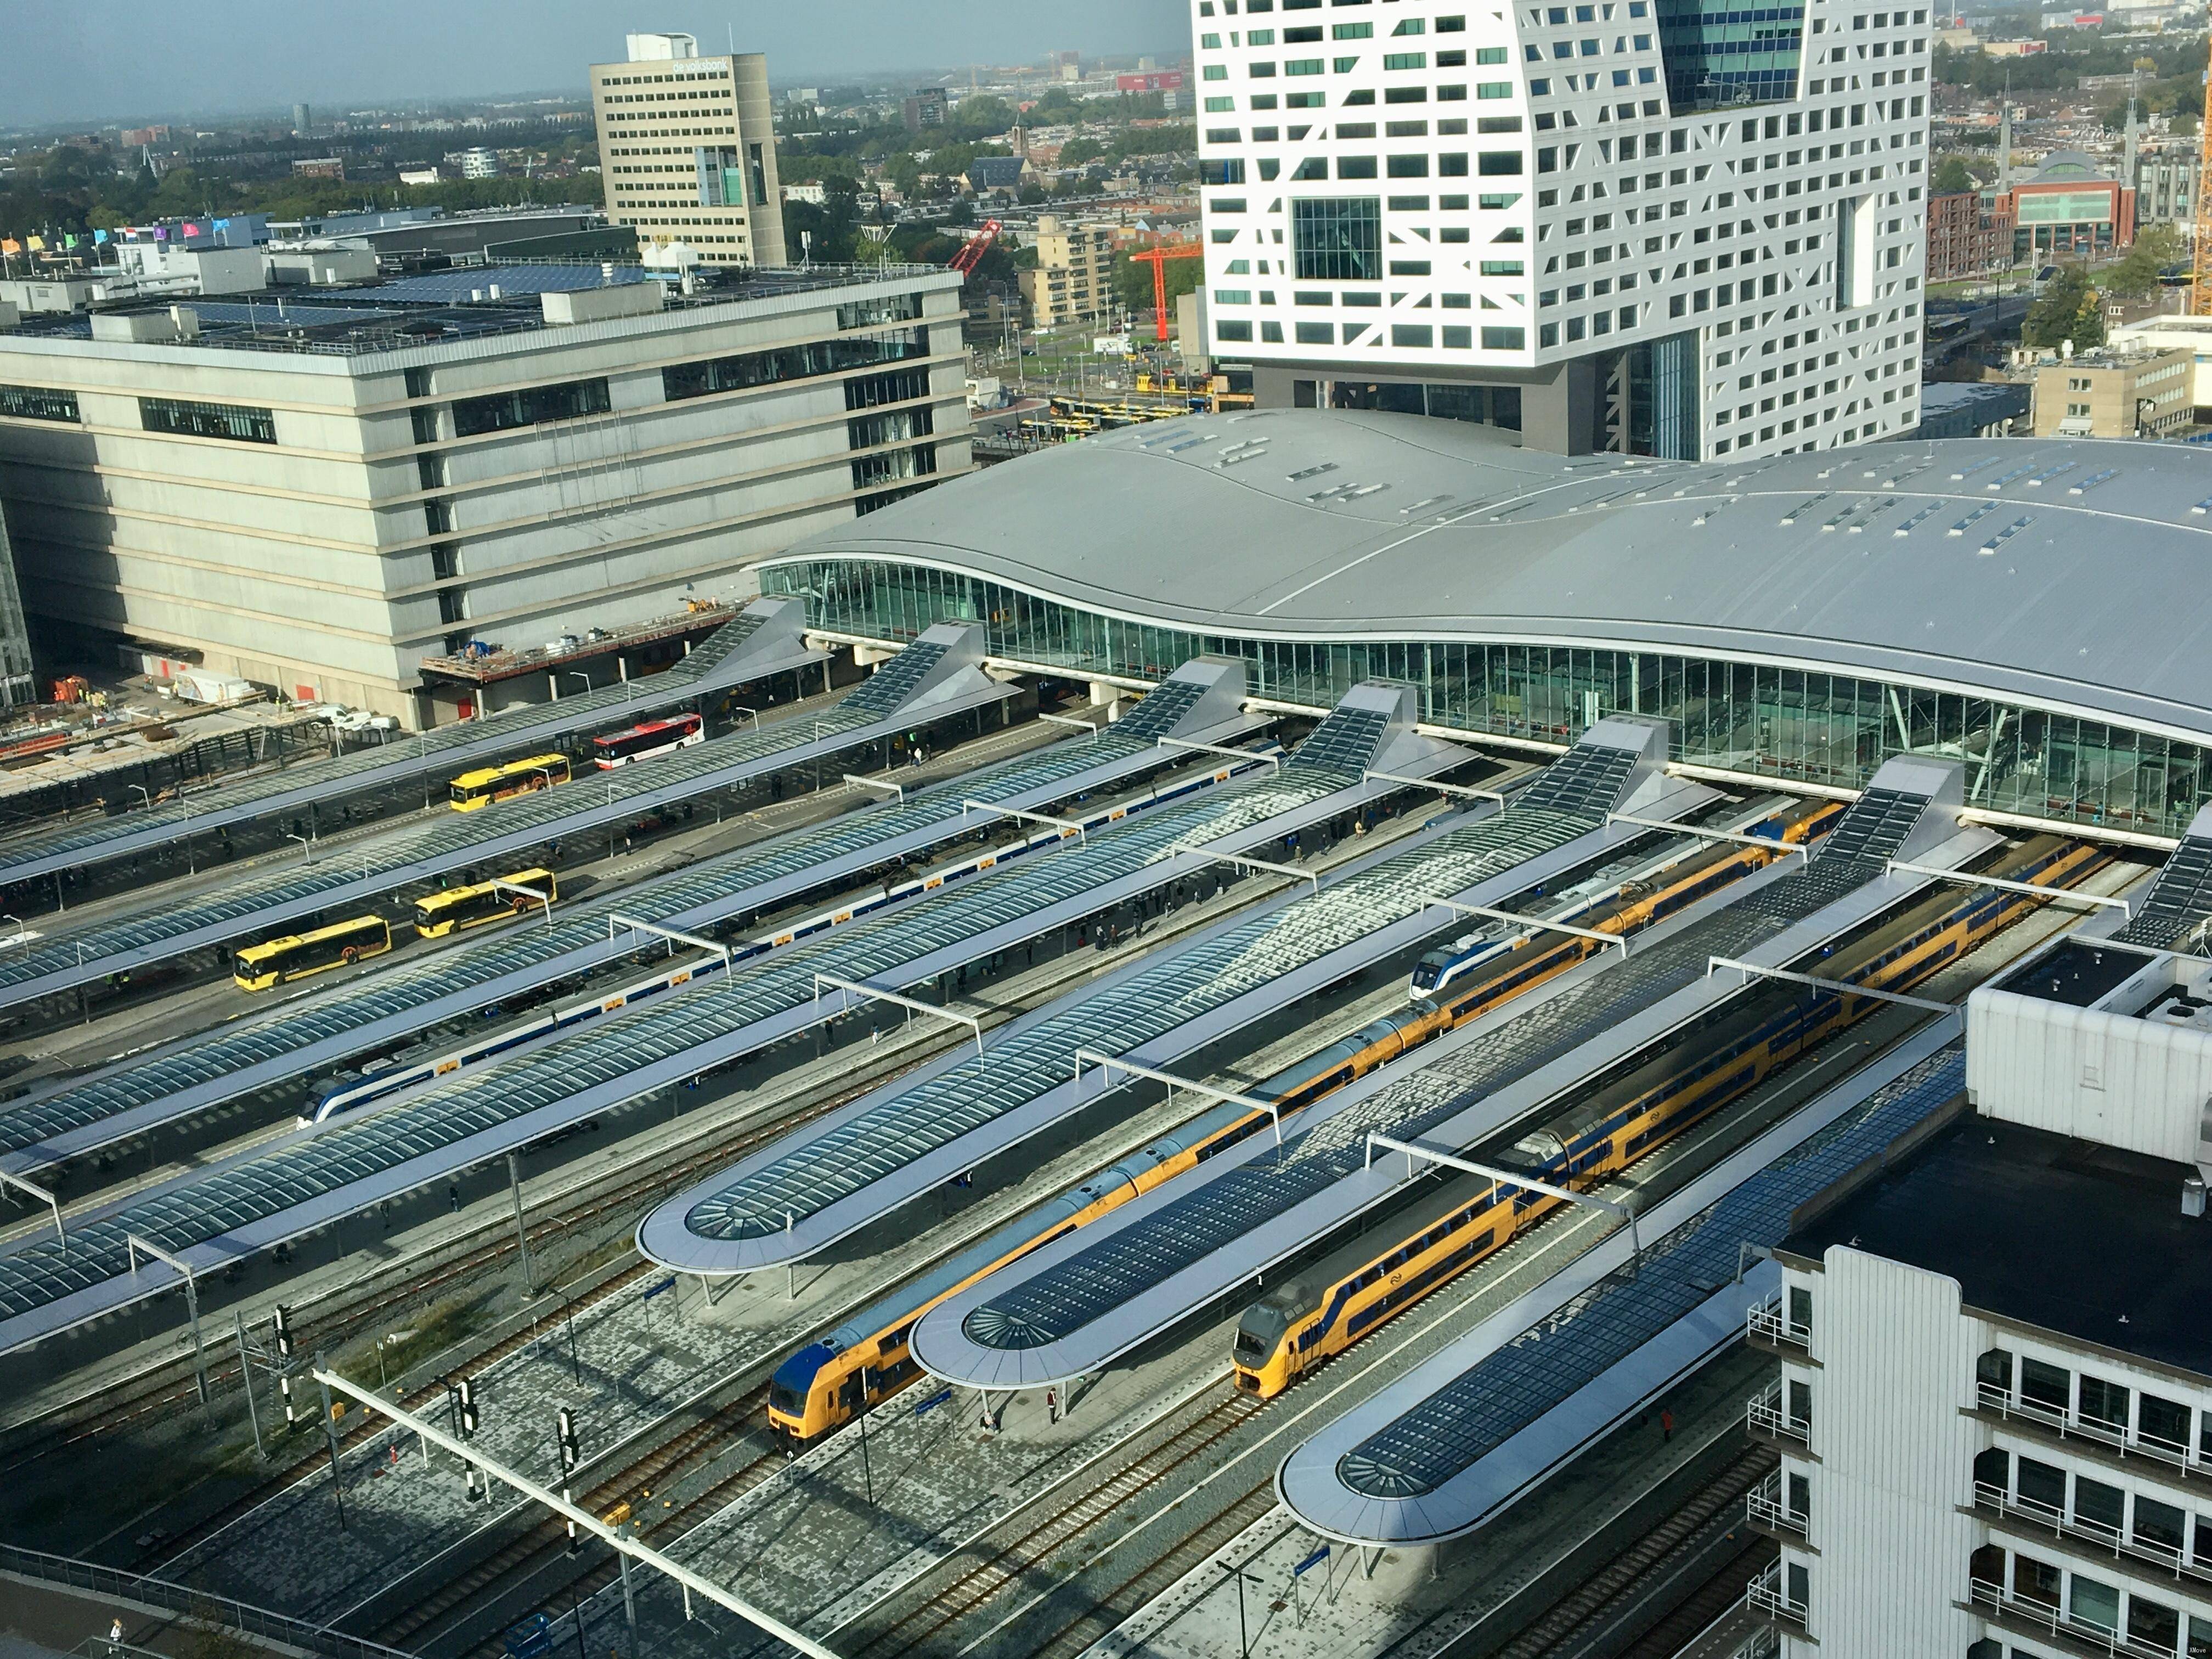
{"x":972,"y":251}
{"x":1157,"y":258}
{"x":2200,"y":231}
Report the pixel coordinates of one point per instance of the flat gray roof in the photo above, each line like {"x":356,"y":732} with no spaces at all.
{"x":1304,"y":524}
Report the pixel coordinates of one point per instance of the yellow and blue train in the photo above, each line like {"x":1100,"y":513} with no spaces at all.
{"x":1452,"y":1225}
{"x":822,"y":1385}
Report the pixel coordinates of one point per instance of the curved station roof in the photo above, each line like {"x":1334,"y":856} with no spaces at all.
{"x":2068,"y":574}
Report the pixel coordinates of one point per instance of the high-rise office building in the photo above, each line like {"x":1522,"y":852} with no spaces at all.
{"x":1628,"y":225}
{"x":301,"y":122}
{"x":687,"y":150}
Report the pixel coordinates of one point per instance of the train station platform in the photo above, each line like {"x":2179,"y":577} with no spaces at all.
{"x":1457,"y":1440}
{"x":767,"y":638}
{"x":228,"y":1212}
{"x":937,"y":676}
{"x":1200,"y":703}
{"x":1078,"y":1304}
{"x":797,"y":1198}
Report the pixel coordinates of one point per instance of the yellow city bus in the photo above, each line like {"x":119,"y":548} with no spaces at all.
{"x":439,"y":914}
{"x":488,"y":784}
{"x":258,"y":967}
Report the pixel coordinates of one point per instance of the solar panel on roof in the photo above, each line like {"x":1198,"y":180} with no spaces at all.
{"x":294,"y":1173}
{"x":2178,"y":901}
{"x":676,"y":900}
{"x":1051,"y":1305}
{"x":1167,"y":993}
{"x":513,"y":282}
{"x":443,"y":845}
{"x":892,"y":685}
{"x":233,"y":801}
{"x":1452,"y":1429}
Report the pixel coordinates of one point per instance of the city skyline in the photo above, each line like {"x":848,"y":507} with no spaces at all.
{"x":166,"y":61}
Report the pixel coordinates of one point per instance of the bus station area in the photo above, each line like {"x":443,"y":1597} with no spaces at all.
{"x":1287,"y":1032}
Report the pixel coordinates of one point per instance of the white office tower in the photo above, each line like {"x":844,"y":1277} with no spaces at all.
{"x":1629,"y":225}
{"x":687,"y":153}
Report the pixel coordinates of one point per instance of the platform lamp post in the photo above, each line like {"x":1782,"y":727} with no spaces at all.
{"x":1243,"y":1631}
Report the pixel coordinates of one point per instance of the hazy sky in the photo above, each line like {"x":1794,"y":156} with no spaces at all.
{"x":106,"y":59}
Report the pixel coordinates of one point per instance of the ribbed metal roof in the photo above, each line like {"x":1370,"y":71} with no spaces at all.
{"x":2065,"y":573}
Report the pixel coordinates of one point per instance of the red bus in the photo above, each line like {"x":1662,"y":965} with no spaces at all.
{"x":644,"y":742}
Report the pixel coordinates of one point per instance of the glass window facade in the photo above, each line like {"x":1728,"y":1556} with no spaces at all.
{"x":1718,"y":58}
{"x":799,"y":363}
{"x":236,"y":422}
{"x":36,"y":403}
{"x":1786,"y":724}
{"x":507,"y":410}
{"x":1338,"y":239}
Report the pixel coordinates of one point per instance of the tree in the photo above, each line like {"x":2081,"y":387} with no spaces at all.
{"x":2068,"y":309}
{"x":2157,"y":245}
{"x":1951,"y":177}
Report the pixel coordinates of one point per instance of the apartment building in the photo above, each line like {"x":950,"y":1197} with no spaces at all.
{"x":687,"y":150}
{"x":1619,"y":226}
{"x":1074,"y":278}
{"x":509,"y":453}
{"x":1993,"y":1402}
{"x":2141,"y":393}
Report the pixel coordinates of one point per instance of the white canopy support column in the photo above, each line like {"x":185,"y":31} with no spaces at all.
{"x":1504,"y":1178}
{"x":698,"y":942}
{"x":1753,"y":970}
{"x":619,"y":1539}
{"x":1094,"y":727}
{"x":1066,"y":826}
{"x":853,"y":780}
{"x":32,"y":1189}
{"x":1239,"y":860}
{"x":1536,"y":924}
{"x":1469,"y":792}
{"x":1771,"y":843}
{"x":2056,"y":895}
{"x":1275,"y":761}
{"x":1109,"y":1064}
{"x":544,"y":897}
{"x":854,"y":988}
{"x":133,"y":1243}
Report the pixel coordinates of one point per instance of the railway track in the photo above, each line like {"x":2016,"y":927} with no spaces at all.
{"x":530,"y":1550}
{"x":974,"y":1577}
{"x":603,"y":1572}
{"x":1565,"y":1626}
{"x":314,"y":1334}
{"x":166,"y":1389}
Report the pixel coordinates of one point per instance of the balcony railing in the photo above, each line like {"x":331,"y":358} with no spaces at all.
{"x":1766,"y":1596}
{"x":221,"y":1610}
{"x":1761,"y":1643}
{"x":2070,"y":1425}
{"x":2082,"y":1531}
{"x":1766,"y":1508}
{"x":1765,"y":1414}
{"x":1992,"y":1601}
{"x":1767,"y":1326}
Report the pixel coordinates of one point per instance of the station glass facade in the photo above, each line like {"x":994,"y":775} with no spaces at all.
{"x":1786,"y":724}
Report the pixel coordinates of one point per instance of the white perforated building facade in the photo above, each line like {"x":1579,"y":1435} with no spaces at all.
{"x":1627,"y":225}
